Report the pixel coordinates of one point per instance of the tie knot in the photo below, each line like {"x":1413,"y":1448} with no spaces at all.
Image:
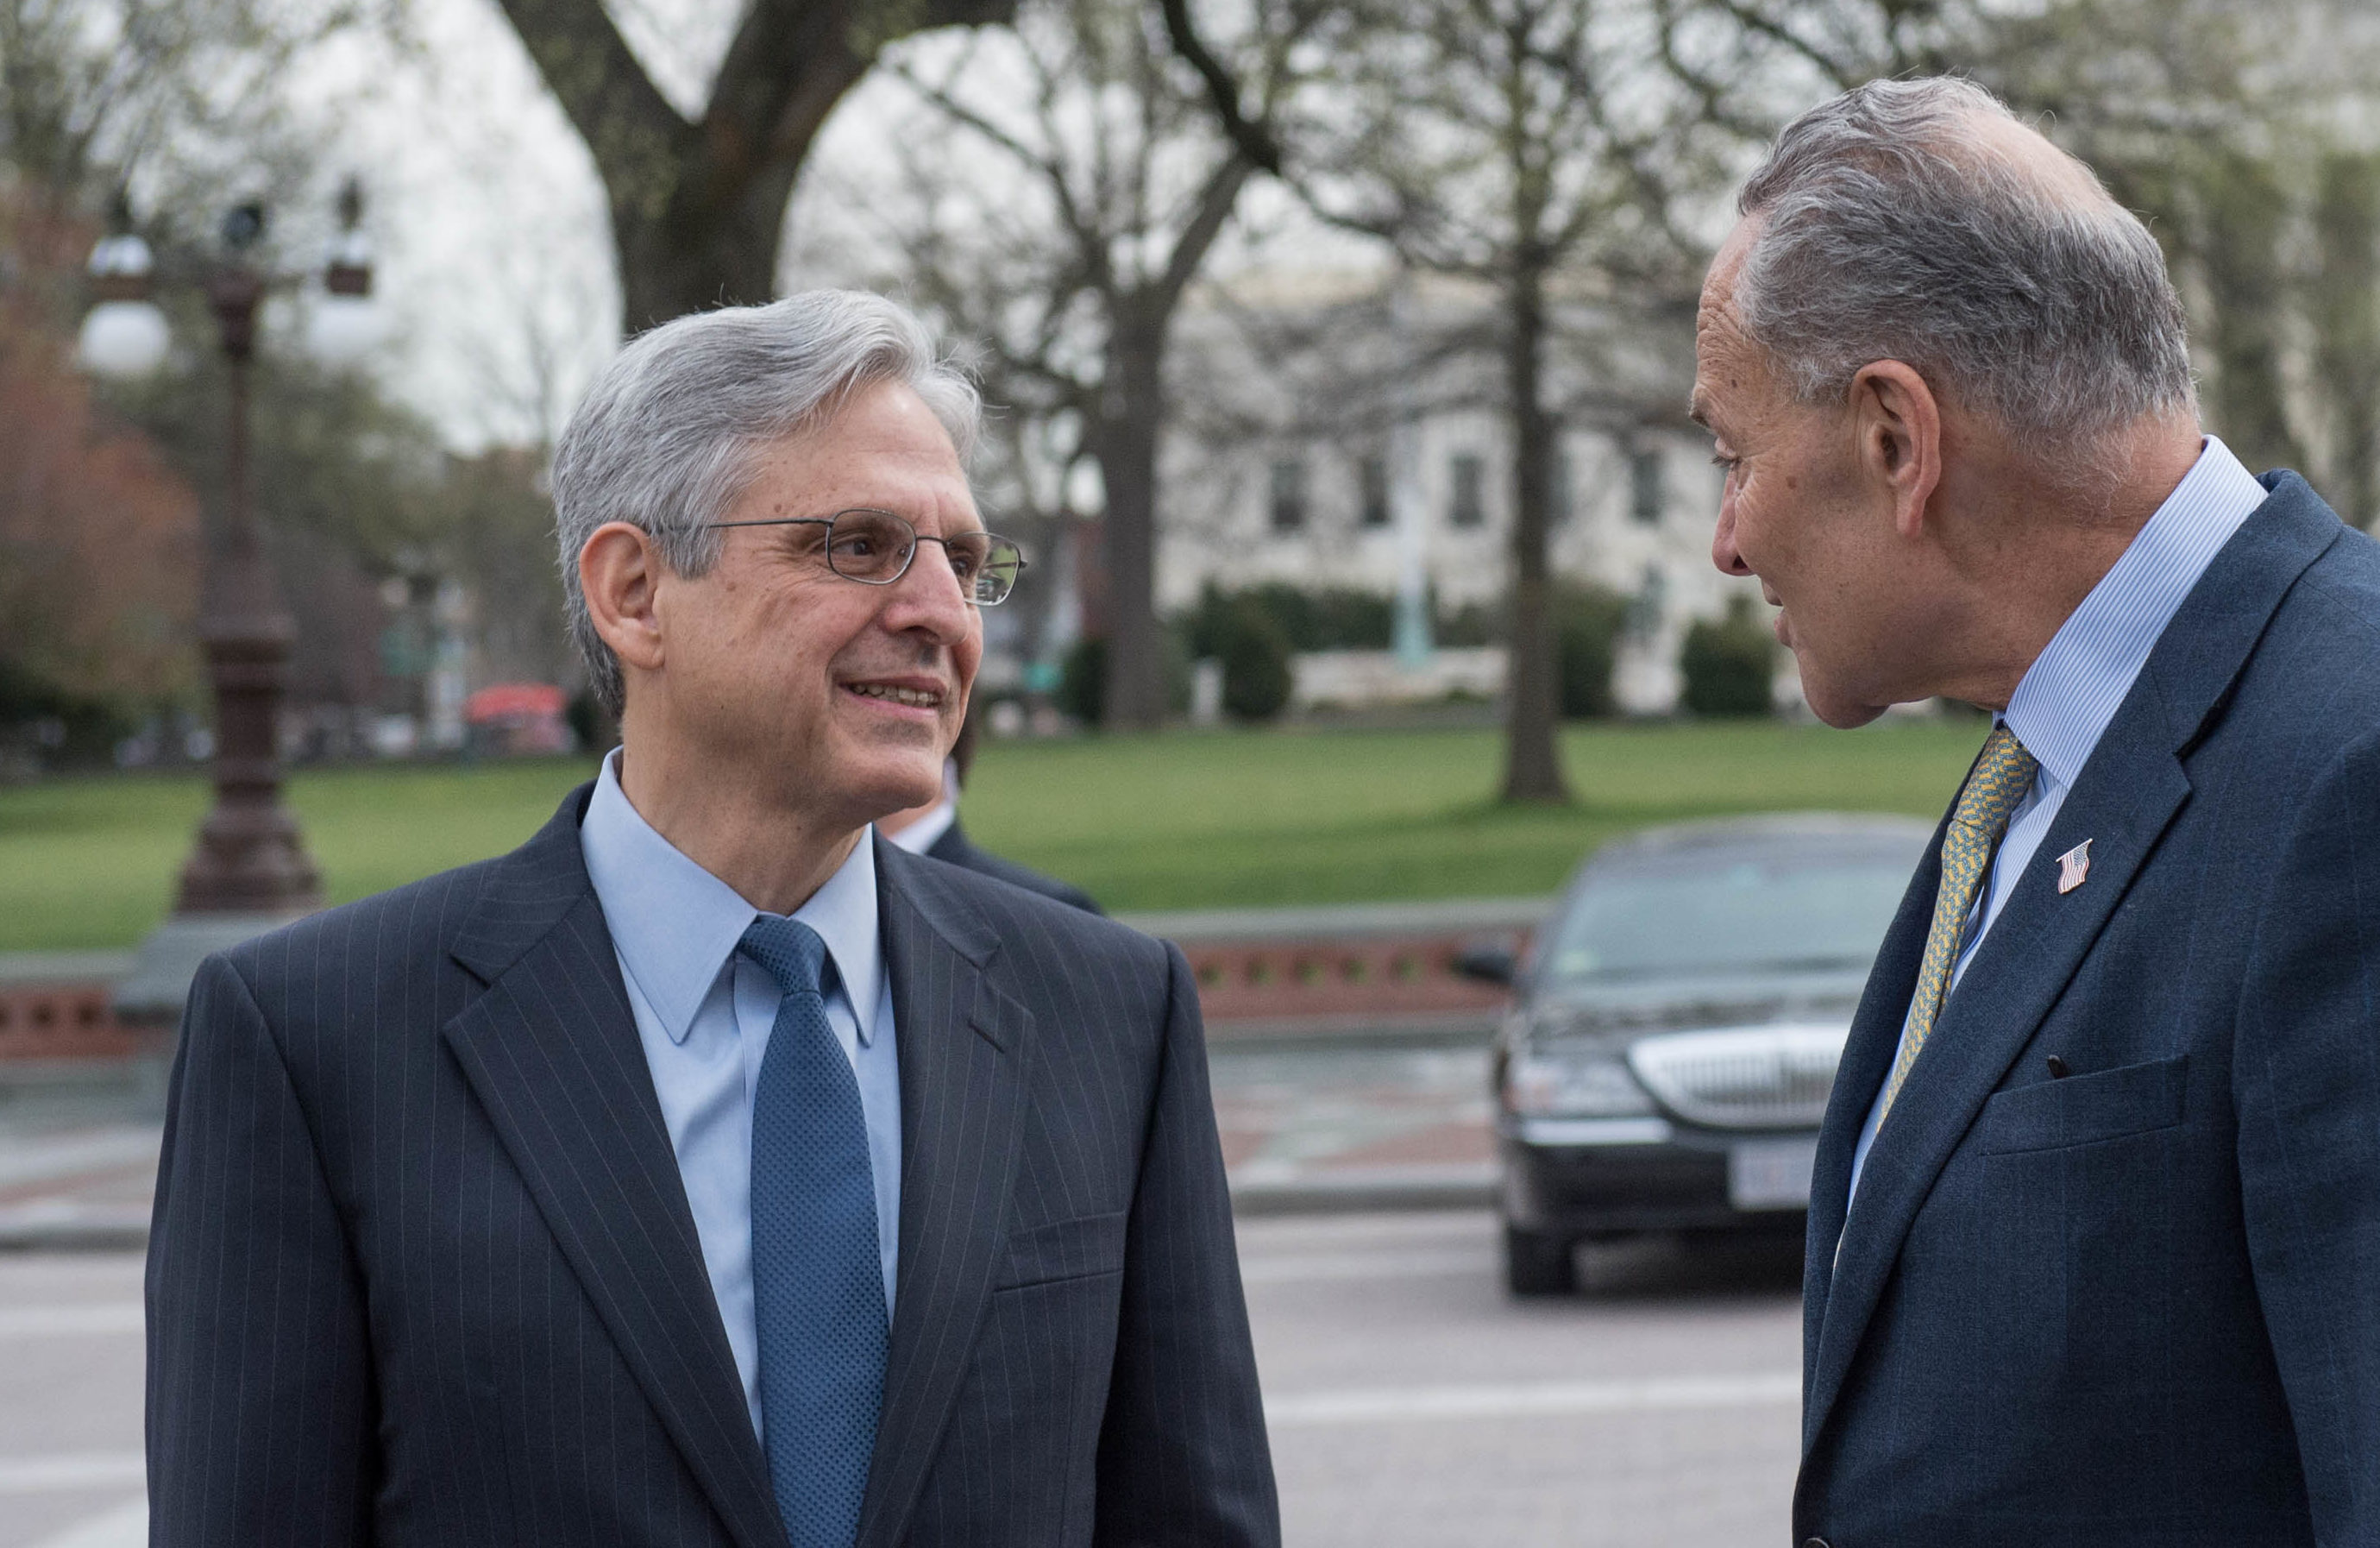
{"x":2002,"y":776}
{"x":789,"y":951}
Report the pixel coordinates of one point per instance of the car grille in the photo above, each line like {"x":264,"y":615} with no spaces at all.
{"x":1742,"y":1077}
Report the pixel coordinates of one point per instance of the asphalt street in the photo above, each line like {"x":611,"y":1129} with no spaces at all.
{"x":1411,"y":1404}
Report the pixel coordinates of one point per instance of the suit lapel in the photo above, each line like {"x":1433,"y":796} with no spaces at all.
{"x":1867,"y":1055}
{"x":963,"y":1046}
{"x":551,"y":1050}
{"x":2128,"y":795}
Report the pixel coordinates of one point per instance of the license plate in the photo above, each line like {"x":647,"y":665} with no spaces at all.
{"x":1771,"y":1174}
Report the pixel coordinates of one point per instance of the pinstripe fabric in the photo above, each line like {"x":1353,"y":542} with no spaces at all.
{"x":422,"y":1270}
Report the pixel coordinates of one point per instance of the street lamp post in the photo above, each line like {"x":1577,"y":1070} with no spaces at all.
{"x":247,"y":870}
{"x":249,"y":858}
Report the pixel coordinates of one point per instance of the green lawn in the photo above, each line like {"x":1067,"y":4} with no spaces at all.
{"x":1180,"y":821}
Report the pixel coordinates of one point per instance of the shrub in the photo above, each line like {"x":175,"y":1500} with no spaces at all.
{"x":1730,"y":664}
{"x":1083,"y":680}
{"x":1587,"y":633}
{"x":1254,"y":650}
{"x":1329,"y":618}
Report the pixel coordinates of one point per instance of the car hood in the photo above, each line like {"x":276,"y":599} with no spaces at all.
{"x":1620,"y":1012}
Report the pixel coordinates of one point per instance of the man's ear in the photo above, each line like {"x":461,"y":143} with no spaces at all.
{"x":1898,"y":424}
{"x":619,"y":573}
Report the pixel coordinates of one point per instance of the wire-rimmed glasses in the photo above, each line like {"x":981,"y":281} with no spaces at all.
{"x":876,"y":548}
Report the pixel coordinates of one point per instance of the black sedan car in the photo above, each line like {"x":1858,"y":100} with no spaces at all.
{"x":1674,"y":1032}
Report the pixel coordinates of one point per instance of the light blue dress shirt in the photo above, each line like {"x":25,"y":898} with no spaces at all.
{"x":2072,"y":691}
{"x":704,"y":1013}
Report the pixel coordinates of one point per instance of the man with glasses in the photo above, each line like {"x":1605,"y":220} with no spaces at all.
{"x":708,"y":1169}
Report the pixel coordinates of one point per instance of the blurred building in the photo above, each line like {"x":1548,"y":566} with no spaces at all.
{"x":1334,"y":432}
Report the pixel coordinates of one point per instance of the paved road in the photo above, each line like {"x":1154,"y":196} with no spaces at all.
{"x":1413,"y":1405}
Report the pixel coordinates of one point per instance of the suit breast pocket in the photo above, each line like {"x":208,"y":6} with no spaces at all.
{"x":2087,"y":1109}
{"x":1077,"y":1248}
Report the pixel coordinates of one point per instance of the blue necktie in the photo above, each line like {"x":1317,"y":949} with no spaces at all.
{"x":818,"y":1279}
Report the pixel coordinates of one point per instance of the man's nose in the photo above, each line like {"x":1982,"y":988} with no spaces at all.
{"x":1724,"y":553}
{"x":930,"y":596}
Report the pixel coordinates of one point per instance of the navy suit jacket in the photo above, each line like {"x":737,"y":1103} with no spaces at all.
{"x":955,"y":849}
{"x":423,"y":1270}
{"x":2140,"y":1304}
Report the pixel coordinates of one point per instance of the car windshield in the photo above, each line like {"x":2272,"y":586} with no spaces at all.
{"x":1744,"y":915}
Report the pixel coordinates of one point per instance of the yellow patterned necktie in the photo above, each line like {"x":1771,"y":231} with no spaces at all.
{"x":2000,"y":779}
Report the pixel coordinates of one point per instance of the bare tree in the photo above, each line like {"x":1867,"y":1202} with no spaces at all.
{"x":175,"y":98}
{"x":2345,"y":310}
{"x":1069,"y":247}
{"x":698,"y":207}
{"x":1508,"y":143}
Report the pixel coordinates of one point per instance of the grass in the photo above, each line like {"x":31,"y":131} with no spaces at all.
{"x":1179,"y":820}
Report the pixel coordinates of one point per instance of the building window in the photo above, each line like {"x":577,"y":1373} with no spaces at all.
{"x":1468,"y":471}
{"x":1373,"y":474}
{"x":1288,"y":495}
{"x":1645,"y":496}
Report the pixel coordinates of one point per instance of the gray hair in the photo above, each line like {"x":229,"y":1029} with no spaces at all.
{"x":1888,"y":232}
{"x":668,"y":437}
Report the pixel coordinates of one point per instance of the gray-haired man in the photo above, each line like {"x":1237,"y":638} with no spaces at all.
{"x":2094,"y":1233}
{"x":707,"y":1170}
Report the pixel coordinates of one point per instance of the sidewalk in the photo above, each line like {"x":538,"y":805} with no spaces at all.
{"x":82,"y":1183}
{"x":1352,"y":1127}
{"x":1325,"y":1127}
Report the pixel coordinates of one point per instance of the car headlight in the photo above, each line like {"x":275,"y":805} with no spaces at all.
{"x":1539,"y":1084}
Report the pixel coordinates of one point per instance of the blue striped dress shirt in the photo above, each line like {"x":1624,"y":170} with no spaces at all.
{"x":704,"y":1014}
{"x":2072,"y":691}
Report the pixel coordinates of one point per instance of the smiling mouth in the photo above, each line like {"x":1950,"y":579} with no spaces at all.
{"x":890,"y":694}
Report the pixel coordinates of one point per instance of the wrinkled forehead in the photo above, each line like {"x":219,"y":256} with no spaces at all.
{"x":1720,"y":340}
{"x":1717,"y":309}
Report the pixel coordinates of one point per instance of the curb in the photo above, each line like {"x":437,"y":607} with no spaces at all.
{"x":1357,"y":1189}
{"x":56,"y":1228}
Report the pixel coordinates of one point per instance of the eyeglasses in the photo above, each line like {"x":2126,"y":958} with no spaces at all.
{"x":876,"y":548}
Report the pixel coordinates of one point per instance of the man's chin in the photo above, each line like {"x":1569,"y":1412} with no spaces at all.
{"x":887,"y":790}
{"x":1844,"y":711}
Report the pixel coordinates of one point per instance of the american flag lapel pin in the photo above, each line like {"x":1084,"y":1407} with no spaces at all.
{"x":2073,"y":868}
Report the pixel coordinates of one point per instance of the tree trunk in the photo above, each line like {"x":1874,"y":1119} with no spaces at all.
{"x":1133,"y":415}
{"x":1532,"y":697}
{"x":698,"y":209}
{"x":709,"y":248}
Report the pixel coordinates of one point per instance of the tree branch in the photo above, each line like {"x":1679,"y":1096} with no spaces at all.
{"x":636,"y":138}
{"x":1254,"y":139}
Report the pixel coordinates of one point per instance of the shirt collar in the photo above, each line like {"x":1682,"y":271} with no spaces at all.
{"x":2072,"y":691}
{"x":927,"y":830}
{"x":675,"y":925}
{"x":843,"y":913}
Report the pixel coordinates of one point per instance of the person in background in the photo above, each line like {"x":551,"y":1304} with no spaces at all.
{"x":2094,"y":1255}
{"x":933,"y":829}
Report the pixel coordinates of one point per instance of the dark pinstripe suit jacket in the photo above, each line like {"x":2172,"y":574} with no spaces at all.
{"x":423,"y":1270}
